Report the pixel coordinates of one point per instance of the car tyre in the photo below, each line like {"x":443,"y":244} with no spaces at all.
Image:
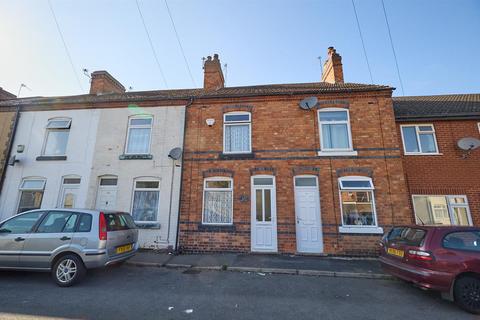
{"x":68,"y":270}
{"x":467,"y":294}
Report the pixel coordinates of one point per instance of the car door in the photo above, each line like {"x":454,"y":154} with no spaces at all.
{"x":13,"y":234}
{"x":53,"y":234}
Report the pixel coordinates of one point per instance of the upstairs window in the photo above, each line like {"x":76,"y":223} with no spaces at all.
{"x":57,"y":131}
{"x":334,"y":127}
{"x":139,"y":135}
{"x":357,"y":201}
{"x":419,"y":139}
{"x":237,"y":132}
{"x":31,"y":194}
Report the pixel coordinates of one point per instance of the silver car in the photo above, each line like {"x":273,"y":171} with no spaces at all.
{"x":66,"y":242}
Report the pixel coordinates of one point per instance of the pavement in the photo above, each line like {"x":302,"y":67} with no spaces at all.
{"x":278,"y":264}
{"x":125,"y":292}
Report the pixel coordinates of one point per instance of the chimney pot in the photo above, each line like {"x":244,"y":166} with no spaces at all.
{"x":332,"y":68}
{"x":213,"y":75}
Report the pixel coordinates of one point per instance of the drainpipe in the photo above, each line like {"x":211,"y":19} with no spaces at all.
{"x":181,"y":174}
{"x":10,"y":146}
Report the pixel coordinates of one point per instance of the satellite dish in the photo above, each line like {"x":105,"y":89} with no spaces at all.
{"x":468,"y":143}
{"x":175,"y":153}
{"x":308,"y":103}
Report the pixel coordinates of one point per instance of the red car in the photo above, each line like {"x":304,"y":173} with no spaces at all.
{"x":446,"y":259}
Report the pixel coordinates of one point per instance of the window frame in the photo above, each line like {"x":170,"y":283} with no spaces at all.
{"x":216,"y":189}
{"x":358,"y":228}
{"x":417,"y":136}
{"x":48,"y":130}
{"x":136,"y":126}
{"x":349,"y":129}
{"x":145,"y":179}
{"x":22,"y":189}
{"x":450,"y":207}
{"x":237,"y":123}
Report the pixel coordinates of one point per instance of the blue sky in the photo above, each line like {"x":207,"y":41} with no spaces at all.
{"x":261,"y":41}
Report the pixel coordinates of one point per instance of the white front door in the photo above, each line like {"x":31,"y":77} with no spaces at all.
{"x":264,"y":214}
{"x":307,"y":212}
{"x":107,"y":194}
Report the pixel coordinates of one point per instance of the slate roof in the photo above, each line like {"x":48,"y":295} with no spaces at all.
{"x":179,"y":94}
{"x":451,"y":106}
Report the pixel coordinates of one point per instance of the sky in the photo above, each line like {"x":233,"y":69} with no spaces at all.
{"x":261,"y":41}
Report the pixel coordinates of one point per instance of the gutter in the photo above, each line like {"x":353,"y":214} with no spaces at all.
{"x":181,"y":173}
{"x":10,"y":146}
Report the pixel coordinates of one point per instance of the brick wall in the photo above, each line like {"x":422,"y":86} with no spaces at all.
{"x":285,"y":141}
{"x":447,"y":173}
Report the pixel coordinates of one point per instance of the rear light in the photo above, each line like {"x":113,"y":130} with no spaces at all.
{"x":420,"y":255}
{"x":102,"y":227}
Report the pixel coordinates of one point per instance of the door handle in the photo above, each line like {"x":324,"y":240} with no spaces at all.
{"x":18,"y":239}
{"x":65,"y":238}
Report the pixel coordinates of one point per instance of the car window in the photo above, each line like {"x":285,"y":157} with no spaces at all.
{"x":128,"y":220}
{"x":71,"y":222}
{"x":85,"y":223}
{"x":115,"y":222}
{"x":465,"y":240}
{"x":22,"y":223}
{"x":54,"y":222}
{"x":407,"y":236}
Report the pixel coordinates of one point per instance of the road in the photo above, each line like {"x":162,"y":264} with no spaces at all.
{"x":155,"y":293}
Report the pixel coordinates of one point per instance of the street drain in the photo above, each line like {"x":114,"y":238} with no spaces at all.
{"x":191,"y":271}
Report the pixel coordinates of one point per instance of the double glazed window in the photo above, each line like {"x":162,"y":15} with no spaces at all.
{"x":139,"y":135}
{"x":31,"y":194}
{"x":237,"y":132}
{"x":218,"y":201}
{"x":146,"y":197}
{"x":56,"y":138}
{"x":419,"y":139}
{"x":441,"y":210}
{"x":335,"y":134}
{"x":357,"y":201}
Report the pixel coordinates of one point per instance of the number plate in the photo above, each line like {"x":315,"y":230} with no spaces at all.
{"x":395,"y":252}
{"x":124,"y":249}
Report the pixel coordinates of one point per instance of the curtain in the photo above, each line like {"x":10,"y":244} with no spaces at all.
{"x":237,"y":138}
{"x":145,"y":205}
{"x":335,"y":136}
{"x":138,"y":140}
{"x":218,"y":207}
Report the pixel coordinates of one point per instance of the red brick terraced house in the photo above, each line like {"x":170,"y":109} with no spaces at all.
{"x":261,"y":174}
{"x":443,"y":180}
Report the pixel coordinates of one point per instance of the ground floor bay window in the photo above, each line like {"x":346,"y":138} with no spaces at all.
{"x":357,"y":205}
{"x":441,"y":210}
{"x":218,"y":201}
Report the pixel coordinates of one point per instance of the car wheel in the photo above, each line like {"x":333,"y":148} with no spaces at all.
{"x":68,"y":270}
{"x":467,"y":294}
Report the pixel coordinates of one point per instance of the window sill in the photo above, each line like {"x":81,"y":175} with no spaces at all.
{"x":51,"y":158}
{"x":216,"y":227}
{"x":424,"y":154}
{"x":377,"y":230}
{"x":135,"y":157}
{"x":228,"y":156}
{"x":146,"y":225}
{"x":337,"y":153}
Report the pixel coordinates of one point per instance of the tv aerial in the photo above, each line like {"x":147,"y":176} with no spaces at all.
{"x":468,"y":144}
{"x":308,"y":103}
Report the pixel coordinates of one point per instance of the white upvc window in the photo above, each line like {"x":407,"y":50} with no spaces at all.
{"x":218,"y":201}
{"x":419,"y":139}
{"x":357,"y":203}
{"x":31,"y":194}
{"x":441,"y":210}
{"x":146,"y":195}
{"x":237,"y":132}
{"x":335,"y":132}
{"x":56,"y":137}
{"x":139,"y":135}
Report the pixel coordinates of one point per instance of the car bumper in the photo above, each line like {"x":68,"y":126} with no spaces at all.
{"x":425,"y":278}
{"x":102,"y":259}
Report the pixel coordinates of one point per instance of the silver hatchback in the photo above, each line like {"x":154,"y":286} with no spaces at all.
{"x":66,"y":242}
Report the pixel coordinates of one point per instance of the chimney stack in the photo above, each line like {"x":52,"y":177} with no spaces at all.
{"x":103,"y":82}
{"x":213,"y":75}
{"x":332,"y":68}
{"x":5,"y":95}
